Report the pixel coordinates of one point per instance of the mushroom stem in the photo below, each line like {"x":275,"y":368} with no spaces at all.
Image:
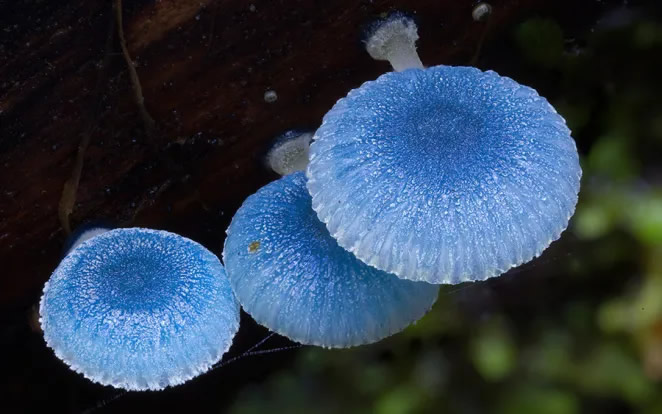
{"x":394,"y":39}
{"x":402,"y":55}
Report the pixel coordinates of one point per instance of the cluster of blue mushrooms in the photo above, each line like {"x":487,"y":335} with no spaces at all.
{"x":422,"y":177}
{"x":139,"y":309}
{"x":436,"y":175}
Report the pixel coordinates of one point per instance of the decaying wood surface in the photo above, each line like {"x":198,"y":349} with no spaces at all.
{"x":67,"y":105}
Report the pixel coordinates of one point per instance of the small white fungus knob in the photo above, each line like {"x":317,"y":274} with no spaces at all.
{"x":481,"y":12}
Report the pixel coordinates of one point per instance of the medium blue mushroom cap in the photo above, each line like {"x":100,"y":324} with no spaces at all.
{"x":291,"y":276}
{"x":447,"y":174}
{"x":139,"y":309}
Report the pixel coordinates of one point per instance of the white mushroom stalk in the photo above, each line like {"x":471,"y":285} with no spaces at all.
{"x":394,"y":39}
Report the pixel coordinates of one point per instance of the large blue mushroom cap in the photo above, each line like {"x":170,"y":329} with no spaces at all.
{"x":139,"y":309}
{"x":447,"y":174}
{"x":291,"y":276}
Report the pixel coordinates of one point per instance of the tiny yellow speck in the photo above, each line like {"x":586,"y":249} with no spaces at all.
{"x":252,"y":248}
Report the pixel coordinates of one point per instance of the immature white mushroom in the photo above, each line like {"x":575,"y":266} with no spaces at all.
{"x":481,"y":12}
{"x":394,"y":39}
{"x":289,"y":152}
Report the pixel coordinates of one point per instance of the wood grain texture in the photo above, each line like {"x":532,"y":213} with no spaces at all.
{"x":204,"y":67}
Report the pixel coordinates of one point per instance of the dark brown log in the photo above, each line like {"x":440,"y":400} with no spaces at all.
{"x":204,"y":67}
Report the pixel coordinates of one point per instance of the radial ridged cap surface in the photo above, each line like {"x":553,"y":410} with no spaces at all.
{"x":139,"y":309}
{"x":447,"y":174}
{"x":291,"y":276}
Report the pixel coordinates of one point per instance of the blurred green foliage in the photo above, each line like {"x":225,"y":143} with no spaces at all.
{"x":586,"y":334}
{"x":492,"y":352}
{"x":541,"y":41}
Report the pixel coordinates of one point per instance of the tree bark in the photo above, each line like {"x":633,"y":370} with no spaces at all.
{"x":74,"y":144}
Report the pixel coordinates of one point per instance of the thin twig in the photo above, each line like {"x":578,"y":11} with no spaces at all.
{"x":213,"y":26}
{"x":479,"y":47}
{"x":70,"y":189}
{"x":148,"y":121}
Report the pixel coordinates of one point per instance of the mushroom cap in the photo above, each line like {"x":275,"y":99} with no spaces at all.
{"x":139,"y":309}
{"x":446,"y":175}
{"x":291,"y":276}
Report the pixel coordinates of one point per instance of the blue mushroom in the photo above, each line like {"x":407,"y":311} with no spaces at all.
{"x":139,"y":309}
{"x":291,"y":276}
{"x":445,"y":175}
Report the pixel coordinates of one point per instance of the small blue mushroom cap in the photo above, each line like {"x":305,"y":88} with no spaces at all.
{"x":291,"y":276}
{"x":446,"y":175}
{"x":139,"y":309}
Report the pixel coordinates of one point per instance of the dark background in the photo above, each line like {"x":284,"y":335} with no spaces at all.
{"x":576,"y":330}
